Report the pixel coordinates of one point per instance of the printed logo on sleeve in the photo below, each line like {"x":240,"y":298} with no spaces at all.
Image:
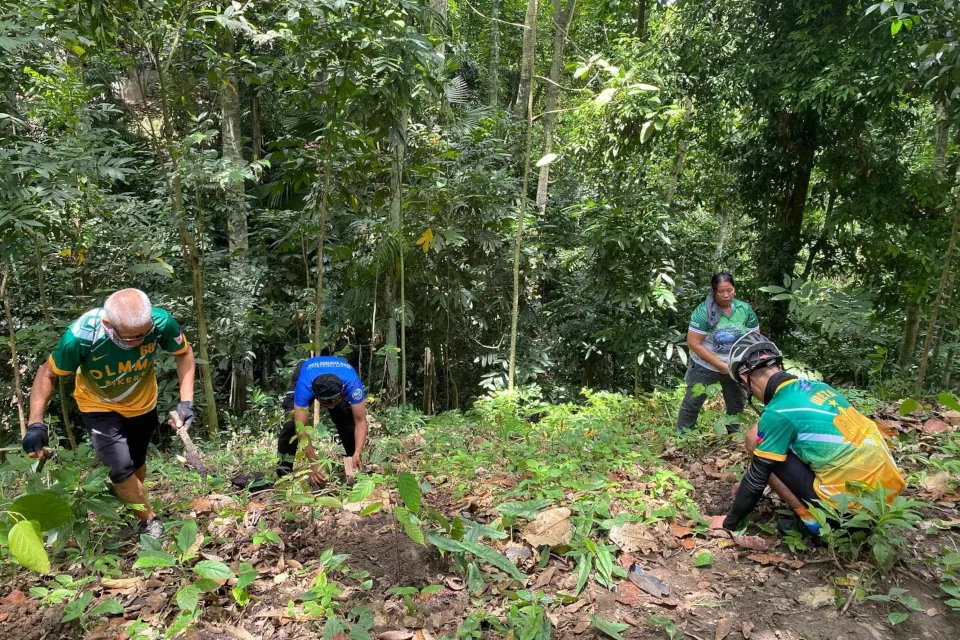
{"x":357,"y":394}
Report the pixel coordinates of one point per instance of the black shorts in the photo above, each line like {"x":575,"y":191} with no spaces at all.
{"x":121,"y":443}
{"x":798,"y":477}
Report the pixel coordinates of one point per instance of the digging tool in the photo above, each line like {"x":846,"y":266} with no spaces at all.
{"x":190,"y":451}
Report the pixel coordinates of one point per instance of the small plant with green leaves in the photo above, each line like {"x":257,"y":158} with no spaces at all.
{"x":949,"y":565}
{"x":60,"y":589}
{"x":265,"y":535}
{"x":88,"y":616}
{"x":667,"y":625}
{"x":527,"y":617}
{"x":408,"y":594}
{"x":867,"y":519}
{"x":897,"y":596}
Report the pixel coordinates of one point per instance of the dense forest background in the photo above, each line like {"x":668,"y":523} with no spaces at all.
{"x":461,"y":196}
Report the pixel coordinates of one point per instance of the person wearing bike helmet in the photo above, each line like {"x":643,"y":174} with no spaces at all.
{"x":809,"y":442}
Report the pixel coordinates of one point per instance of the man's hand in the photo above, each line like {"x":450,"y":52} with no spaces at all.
{"x":317,"y":476}
{"x":356,"y":462}
{"x":182,"y":416}
{"x":724,"y":368}
{"x":36,"y":440}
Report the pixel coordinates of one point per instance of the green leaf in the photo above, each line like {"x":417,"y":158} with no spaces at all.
{"x":187,"y":536}
{"x":895,"y":27}
{"x":26,"y":545}
{"x":605,"y":97}
{"x":908,"y":406}
{"x":46,"y":508}
{"x":445,"y":543}
{"x":493,"y":557}
{"x":410,"y":526}
{"x":151,"y":559}
{"x":188,"y":597}
{"x":949,"y":400}
{"x":432,"y":588}
{"x":951,"y":589}
{"x":527,"y":510}
{"x":703,"y":559}
{"x":76,"y":608}
{"x":206,"y":585}
{"x":371,"y":509}
{"x":612,"y":629}
{"x":409,"y":490}
{"x":362,"y":489}
{"x":583,"y":572}
{"x":328,"y":501}
{"x":911,"y":603}
{"x":646,"y":131}
{"x":248,"y":574}
{"x":240,"y":596}
{"x":213,"y":570}
{"x":896,"y":617}
{"x":111,"y":607}
{"x":180,"y":623}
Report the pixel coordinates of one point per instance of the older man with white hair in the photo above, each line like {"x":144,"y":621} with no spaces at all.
{"x":112,"y":349}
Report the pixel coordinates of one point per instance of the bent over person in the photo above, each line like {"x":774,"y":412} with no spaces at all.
{"x":335,"y":385}
{"x":112,"y":351}
{"x":809,"y":442}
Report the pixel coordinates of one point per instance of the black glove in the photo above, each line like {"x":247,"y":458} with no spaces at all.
{"x":185,"y":412}
{"x":36,"y":437}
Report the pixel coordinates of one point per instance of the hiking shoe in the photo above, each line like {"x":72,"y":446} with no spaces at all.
{"x":152,"y":528}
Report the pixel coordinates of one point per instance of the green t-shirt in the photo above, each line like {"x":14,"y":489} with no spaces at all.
{"x":720,"y":337}
{"x":819,"y":425}
{"x":111,"y":378}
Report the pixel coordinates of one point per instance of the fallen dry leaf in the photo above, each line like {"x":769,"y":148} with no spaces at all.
{"x":680,"y":531}
{"x":633,"y":537}
{"x":937,"y":483}
{"x":755,"y":543}
{"x":545,"y":578}
{"x":933,"y":425}
{"x":551,"y":528}
{"x":952,"y":417}
{"x":724,"y":626}
{"x":888,"y":428}
{"x":239,"y":633}
{"x":688,"y":543}
{"x":817,"y":597}
{"x":626,"y":560}
{"x":395,"y":634}
{"x":4,"y":615}
{"x":120,"y":583}
{"x":747,"y":630}
{"x":712,"y":471}
{"x":629,"y":594}
{"x":932,"y":612}
{"x":15,"y":596}
{"x":202,"y":506}
{"x":769,"y":558}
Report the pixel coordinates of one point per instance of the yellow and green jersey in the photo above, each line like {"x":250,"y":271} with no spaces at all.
{"x":109,"y":377}
{"x":820,"y":426}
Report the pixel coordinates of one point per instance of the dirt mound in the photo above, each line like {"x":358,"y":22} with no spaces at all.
{"x":25,"y":620}
{"x":375,"y":543}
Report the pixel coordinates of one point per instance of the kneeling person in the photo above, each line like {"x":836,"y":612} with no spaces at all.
{"x":809,"y":442}
{"x":335,"y":385}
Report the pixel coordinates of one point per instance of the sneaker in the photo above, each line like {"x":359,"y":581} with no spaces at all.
{"x":152,"y":528}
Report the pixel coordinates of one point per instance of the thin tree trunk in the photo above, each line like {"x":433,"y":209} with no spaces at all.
{"x":945,"y":303}
{"x":373,"y":328}
{"x":48,"y":318}
{"x":237,"y":239}
{"x":944,"y":278}
{"x":189,"y":248}
{"x":828,"y":225}
{"x":256,"y":125}
{"x":521,"y":214}
{"x":947,"y":367}
{"x":562,"y":17}
{"x":14,"y":361}
{"x":396,"y":210}
{"x":529,"y":58}
{"x":912,"y":329}
{"x":321,"y":241}
{"x":641,"y":18}
{"x":403,"y":323}
{"x":493,"y":90}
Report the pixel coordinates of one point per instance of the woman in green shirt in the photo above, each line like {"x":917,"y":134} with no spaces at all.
{"x":714,"y":326}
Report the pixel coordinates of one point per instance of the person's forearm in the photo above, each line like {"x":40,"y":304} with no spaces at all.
{"x":707,"y":355}
{"x":41,"y":392}
{"x":186,"y":372}
{"x":359,"y":435}
{"x":751,"y":490}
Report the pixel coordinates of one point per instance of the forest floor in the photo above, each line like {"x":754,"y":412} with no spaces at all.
{"x":515,"y":480}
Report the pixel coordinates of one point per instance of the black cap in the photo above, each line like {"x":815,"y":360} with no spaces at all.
{"x":327,"y":388}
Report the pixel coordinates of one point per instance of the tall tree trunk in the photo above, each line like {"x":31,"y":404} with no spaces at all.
{"x":680,"y":157}
{"x":529,"y":58}
{"x":256,"y":125}
{"x":944,"y":278}
{"x":522,"y":211}
{"x":321,"y":241}
{"x":562,"y":17}
{"x":48,"y":318}
{"x":641,"y":18}
{"x":188,"y":246}
{"x":14,"y":360}
{"x":237,"y":240}
{"x":911,"y":330}
{"x":946,"y":304}
{"x":493,"y":88}
{"x":373,"y":329}
{"x":947,"y":368}
{"x":828,"y":225}
{"x":396,"y":216}
{"x":781,"y":242}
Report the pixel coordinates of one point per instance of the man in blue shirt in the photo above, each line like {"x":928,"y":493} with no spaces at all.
{"x":333,"y":383}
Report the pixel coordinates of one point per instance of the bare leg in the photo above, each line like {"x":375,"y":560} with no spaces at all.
{"x":131,"y":491}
